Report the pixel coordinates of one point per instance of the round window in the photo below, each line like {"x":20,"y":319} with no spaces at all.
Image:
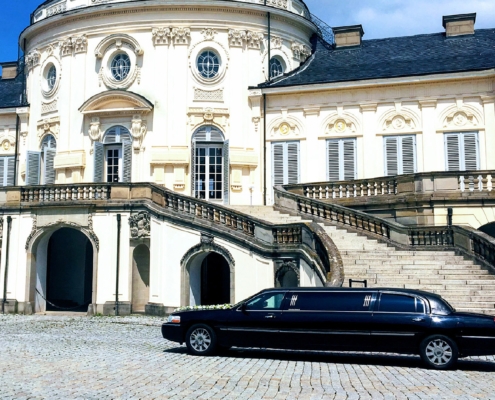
{"x":120,"y":66}
{"x":276,"y":68}
{"x":208,"y":64}
{"x":51,"y":77}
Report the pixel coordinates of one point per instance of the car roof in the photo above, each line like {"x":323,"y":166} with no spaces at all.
{"x":358,"y":289}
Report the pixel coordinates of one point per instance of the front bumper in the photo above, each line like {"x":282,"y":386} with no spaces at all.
{"x":173,"y":332}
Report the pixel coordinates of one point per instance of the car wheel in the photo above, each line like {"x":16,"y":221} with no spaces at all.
{"x":439,"y":352}
{"x":201,"y":340}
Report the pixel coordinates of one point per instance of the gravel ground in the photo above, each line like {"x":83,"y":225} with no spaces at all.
{"x":63,"y":357}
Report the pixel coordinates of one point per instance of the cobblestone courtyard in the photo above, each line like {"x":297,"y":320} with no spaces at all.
{"x":56,"y":357}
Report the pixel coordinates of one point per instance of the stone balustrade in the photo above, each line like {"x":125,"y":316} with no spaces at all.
{"x":62,"y":193}
{"x":421,"y":183}
{"x":51,"y":8}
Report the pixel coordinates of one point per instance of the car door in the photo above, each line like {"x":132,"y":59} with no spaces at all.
{"x":256,"y":322}
{"x":328,"y":319}
{"x":400,"y":320}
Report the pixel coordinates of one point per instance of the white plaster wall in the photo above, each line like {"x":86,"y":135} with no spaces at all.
{"x":308,"y":276}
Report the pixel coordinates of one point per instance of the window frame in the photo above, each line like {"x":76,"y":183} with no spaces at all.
{"x":400,"y":154}
{"x":462,"y":149}
{"x":341,"y":155}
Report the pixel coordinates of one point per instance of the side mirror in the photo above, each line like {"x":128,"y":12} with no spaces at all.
{"x":243,"y":307}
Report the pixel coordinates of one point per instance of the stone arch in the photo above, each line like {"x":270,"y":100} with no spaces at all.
{"x":286,"y":127}
{"x":197,"y":254}
{"x":284,"y":270}
{"x":343,"y":123}
{"x":402,"y":120}
{"x":37,"y":247}
{"x":460,"y":117}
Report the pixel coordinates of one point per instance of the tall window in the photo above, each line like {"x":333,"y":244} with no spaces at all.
{"x":341,"y":159}
{"x":276,"y":67}
{"x":113,"y":157}
{"x":400,"y":155}
{"x":40,"y":165}
{"x":210,"y":154}
{"x":285,"y":163}
{"x":462,"y":151}
{"x":7,"y":170}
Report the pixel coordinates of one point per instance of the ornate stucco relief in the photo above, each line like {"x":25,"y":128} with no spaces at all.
{"x":140,"y":225}
{"x":167,"y":35}
{"x":49,"y":126}
{"x":300,"y":51}
{"x":208,"y":95}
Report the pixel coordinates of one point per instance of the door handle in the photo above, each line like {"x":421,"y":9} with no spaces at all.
{"x":418,"y":319}
{"x":271,"y":316}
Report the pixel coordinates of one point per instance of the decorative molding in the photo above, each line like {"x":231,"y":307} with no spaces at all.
{"x":208,"y":95}
{"x":237,"y":37}
{"x":138,"y":130}
{"x":341,"y":123}
{"x":399,"y":120}
{"x":275,"y":3}
{"x":140,"y":225}
{"x":49,"y":107}
{"x":119,"y":41}
{"x":49,"y":126}
{"x":206,"y":238}
{"x":66,"y":47}
{"x":56,"y":9}
{"x":1,"y":228}
{"x":284,"y":266}
{"x":217,"y":116}
{"x":300,"y":51}
{"x":73,"y":45}
{"x":276,"y":42}
{"x":207,"y":245}
{"x":33,"y":231}
{"x":254,"y":39}
{"x":95,"y":132}
{"x":165,"y":35}
{"x":33,"y":59}
{"x":209,"y":33}
{"x":461,"y":116}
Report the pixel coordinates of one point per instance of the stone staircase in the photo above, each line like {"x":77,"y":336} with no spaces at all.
{"x":467,"y":286}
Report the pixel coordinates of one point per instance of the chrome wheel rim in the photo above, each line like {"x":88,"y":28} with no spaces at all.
{"x":439,"y":352}
{"x":200,"y":339}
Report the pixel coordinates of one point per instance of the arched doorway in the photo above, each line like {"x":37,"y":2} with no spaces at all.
{"x":140,"y":277}
{"x":210,"y":280}
{"x":66,"y":280}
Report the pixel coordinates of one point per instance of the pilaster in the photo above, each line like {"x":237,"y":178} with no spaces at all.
{"x":372,"y":153}
{"x":489,"y":111}
{"x":432,"y":143}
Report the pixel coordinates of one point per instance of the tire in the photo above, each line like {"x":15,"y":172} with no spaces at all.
{"x":201,"y":340}
{"x":439,"y":352}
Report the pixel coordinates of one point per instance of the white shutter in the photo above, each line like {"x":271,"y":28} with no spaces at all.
{"x":3,"y":170}
{"x":278,"y":163}
{"x":292,"y":162}
{"x":193,"y":168}
{"x":333,"y":157}
{"x":49,"y":160}
{"x":98,"y":161}
{"x":349,"y":159}
{"x":408,"y":147}
{"x":33,"y":162}
{"x":127,"y":162}
{"x":471,"y":159}
{"x":452,"y":152}
{"x":10,"y":171}
{"x":391,"y":156}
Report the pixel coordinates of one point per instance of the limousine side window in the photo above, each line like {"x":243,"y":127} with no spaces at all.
{"x":401,"y":303}
{"x":266,"y":301}
{"x":330,"y":301}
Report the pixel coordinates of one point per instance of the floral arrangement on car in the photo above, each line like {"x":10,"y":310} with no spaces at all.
{"x":210,"y":307}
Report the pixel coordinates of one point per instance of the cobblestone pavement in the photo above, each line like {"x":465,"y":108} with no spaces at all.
{"x":56,"y":357}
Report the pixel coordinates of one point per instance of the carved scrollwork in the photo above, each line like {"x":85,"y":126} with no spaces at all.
{"x":94,"y":129}
{"x":284,"y":267}
{"x":140,"y":225}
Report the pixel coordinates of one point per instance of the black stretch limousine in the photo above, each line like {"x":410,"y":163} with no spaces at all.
{"x":373,"y":319}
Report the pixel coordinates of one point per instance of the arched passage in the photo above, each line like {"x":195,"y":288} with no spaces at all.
{"x":140,"y":277}
{"x":69,"y":275}
{"x":62,"y":270}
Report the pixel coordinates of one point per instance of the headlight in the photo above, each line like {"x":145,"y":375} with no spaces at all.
{"x":173,"y":319}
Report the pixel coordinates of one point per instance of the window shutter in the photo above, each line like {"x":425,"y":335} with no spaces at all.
{"x":127,"y":162}
{"x":349,"y":158}
{"x":292,"y":162}
{"x":110,"y":136}
{"x":391,"y":159}
{"x":471,"y":161}
{"x":33,"y":163}
{"x":278,"y":163}
{"x":452,"y":152}
{"x":3,"y":170}
{"x":49,"y":172}
{"x":99,"y":156}
{"x":193,"y":168}
{"x":408,"y":155}
{"x":333,"y":157}
{"x":226,"y":172}
{"x":10,"y":171}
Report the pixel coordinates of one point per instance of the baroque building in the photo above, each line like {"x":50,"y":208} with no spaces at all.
{"x":134,"y":133}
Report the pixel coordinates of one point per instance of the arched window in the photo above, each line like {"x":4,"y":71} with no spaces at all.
{"x":40,"y":167}
{"x":210,"y":170}
{"x":276,"y":67}
{"x":113,"y":156}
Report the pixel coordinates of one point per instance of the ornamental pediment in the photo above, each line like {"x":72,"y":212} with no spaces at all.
{"x":116,"y":102}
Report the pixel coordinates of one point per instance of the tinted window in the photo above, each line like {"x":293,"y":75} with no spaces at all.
{"x":329,"y":301}
{"x":400,"y":303}
{"x":266,"y":301}
{"x":440,"y":307}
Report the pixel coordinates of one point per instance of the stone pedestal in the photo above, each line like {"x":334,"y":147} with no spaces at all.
{"x":158,"y":309}
{"x":109,"y":308}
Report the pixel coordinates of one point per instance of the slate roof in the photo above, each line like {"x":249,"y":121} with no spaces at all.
{"x":394,"y":57}
{"x":11,"y":92}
